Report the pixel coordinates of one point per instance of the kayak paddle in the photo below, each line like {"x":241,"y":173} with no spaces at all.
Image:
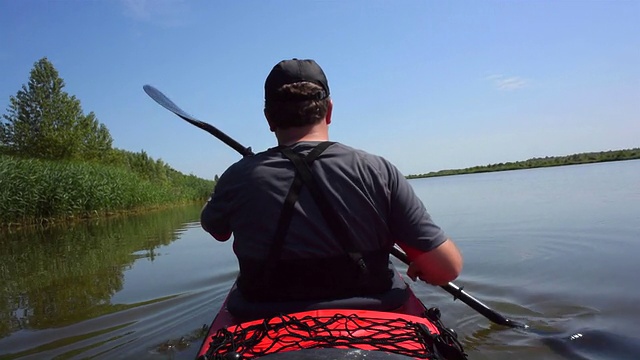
{"x":474,"y":303}
{"x":451,"y":288}
{"x":166,"y":103}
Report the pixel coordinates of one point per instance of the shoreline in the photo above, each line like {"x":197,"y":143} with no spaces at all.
{"x":555,"y":161}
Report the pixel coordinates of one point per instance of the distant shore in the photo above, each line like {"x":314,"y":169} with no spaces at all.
{"x":582,"y":158}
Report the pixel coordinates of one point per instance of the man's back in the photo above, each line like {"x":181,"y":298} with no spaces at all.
{"x":364,"y":190}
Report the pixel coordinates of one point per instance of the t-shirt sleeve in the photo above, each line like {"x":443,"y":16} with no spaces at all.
{"x":410,"y":223}
{"x":214,"y":217}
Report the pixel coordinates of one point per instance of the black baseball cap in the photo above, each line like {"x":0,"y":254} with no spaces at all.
{"x":294,"y":71}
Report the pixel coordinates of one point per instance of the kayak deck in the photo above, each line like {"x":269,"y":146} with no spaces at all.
{"x":326,"y":334}
{"x":329,"y":328}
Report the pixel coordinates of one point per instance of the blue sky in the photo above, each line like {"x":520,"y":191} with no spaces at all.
{"x":429,"y":85}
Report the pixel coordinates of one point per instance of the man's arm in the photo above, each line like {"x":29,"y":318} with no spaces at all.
{"x":212,"y":224}
{"x":437,"y":266}
{"x":434,"y":257}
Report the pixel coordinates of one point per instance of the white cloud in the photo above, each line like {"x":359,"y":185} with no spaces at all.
{"x":169,"y":13}
{"x":507,"y":83}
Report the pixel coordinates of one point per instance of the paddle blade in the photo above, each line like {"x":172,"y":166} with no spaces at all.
{"x":165,"y":102}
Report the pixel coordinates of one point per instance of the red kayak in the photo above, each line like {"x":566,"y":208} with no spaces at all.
{"x":410,"y":331}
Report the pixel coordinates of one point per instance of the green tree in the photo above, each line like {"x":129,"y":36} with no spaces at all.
{"x":43,"y":121}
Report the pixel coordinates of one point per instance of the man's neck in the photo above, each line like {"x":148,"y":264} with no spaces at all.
{"x":316,"y":132}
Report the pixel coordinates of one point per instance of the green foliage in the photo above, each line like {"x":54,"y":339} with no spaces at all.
{"x":140,"y":163}
{"x":32,"y":189}
{"x":43,"y":121}
{"x":84,"y":175}
{"x":158,"y":171}
{"x":583,"y":158}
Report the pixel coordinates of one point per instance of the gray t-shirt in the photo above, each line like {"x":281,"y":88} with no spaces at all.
{"x":367,"y":192}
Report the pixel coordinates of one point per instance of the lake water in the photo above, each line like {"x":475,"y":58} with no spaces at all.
{"x":556,"y":248}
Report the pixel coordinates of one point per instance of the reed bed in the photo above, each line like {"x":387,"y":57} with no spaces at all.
{"x":32,"y":190}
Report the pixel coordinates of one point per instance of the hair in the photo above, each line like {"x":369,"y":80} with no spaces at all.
{"x":286,"y":114}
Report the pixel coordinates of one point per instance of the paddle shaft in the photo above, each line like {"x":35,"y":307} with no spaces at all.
{"x":458,"y":293}
{"x":451,"y":288}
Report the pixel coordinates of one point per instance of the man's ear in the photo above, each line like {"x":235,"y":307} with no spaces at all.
{"x":272,"y":127}
{"x":329,"y":109}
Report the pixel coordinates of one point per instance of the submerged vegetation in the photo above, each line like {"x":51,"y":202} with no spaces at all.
{"x":58,"y":163}
{"x":583,"y":158}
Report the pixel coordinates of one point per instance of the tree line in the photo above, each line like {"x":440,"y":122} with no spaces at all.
{"x":44,"y":122}
{"x":548,"y":161}
{"x":47,"y":141}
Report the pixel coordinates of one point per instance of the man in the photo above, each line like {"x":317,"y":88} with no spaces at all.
{"x":314,"y":220}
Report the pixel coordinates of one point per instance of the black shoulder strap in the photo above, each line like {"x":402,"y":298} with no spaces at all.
{"x":286,"y":213}
{"x":336,"y":224}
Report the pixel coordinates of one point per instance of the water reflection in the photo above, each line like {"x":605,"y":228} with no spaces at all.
{"x":56,"y":276}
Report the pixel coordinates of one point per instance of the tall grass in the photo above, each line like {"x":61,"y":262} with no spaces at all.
{"x":32,"y":190}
